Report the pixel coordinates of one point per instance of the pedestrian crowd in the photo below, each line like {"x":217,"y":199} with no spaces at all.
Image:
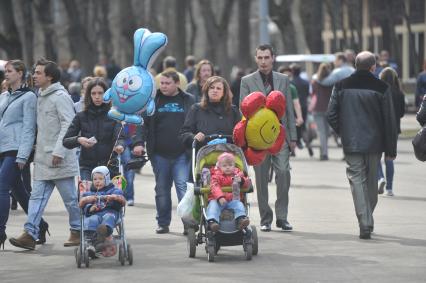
{"x":56,"y":119}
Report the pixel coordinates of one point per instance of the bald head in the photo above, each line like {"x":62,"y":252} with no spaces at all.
{"x":365,"y":60}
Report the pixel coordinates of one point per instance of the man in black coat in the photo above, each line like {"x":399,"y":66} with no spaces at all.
{"x":169,"y":159}
{"x":362,"y":113}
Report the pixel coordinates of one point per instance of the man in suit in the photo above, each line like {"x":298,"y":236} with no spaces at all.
{"x":265,"y":80}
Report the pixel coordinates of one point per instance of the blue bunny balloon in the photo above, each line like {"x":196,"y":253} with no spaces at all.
{"x":133,"y":88}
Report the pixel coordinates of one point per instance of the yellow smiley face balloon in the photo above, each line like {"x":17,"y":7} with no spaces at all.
{"x":262,"y":129}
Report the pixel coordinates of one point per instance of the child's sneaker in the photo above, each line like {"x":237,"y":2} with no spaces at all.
{"x":109,"y":247}
{"x":242,"y":222}
{"x":214,"y":226}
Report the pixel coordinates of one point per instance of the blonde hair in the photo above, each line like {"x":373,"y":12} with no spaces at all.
{"x":100,"y":71}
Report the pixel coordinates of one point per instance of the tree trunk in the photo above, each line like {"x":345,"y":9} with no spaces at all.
{"x":281,"y":15}
{"x":331,"y":11}
{"x":180,"y":32}
{"x":298,"y":28}
{"x":28,"y":42}
{"x":193,"y":29}
{"x":244,"y":49}
{"x":10,"y":41}
{"x":104,"y":30}
{"x":217,"y":34}
{"x":312,"y":16}
{"x":81,"y":47}
{"x":44,"y":14}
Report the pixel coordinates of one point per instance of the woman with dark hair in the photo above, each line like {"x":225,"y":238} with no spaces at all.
{"x":215,"y":114}
{"x":17,"y":134}
{"x":97,"y":134}
{"x":203,"y":71}
{"x":389,"y":76}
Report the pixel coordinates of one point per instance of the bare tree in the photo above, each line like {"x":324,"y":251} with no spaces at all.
{"x":244,"y":50}
{"x":217,"y":33}
{"x":9,"y":41}
{"x":311,"y":12}
{"x":44,"y":13}
{"x":281,"y":14}
{"x":104,"y":30}
{"x":81,"y":45}
{"x":180,"y":31}
{"x":28,"y":32}
{"x":193,"y":29}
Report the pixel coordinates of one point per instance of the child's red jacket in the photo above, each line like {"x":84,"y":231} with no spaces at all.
{"x":219,"y":180}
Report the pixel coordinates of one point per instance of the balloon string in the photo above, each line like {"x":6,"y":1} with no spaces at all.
{"x":115,"y":143}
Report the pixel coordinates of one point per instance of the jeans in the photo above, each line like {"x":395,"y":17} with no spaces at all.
{"x":166,"y":172}
{"x":40,"y":195}
{"x":107,"y":217}
{"x":18,"y":182}
{"x":128,"y":174}
{"x":214,"y":209}
{"x":85,"y":174}
{"x":323,"y":131}
{"x":389,"y":173}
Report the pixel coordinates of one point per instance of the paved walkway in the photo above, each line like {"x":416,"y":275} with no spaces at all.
{"x":324,"y":246}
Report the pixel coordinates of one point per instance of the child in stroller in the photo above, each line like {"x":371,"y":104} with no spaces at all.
{"x":101,"y":207}
{"x":226,"y":174}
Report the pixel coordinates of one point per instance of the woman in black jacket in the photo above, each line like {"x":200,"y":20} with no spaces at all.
{"x":421,"y":115}
{"x":215,"y":114}
{"x":389,"y":76}
{"x":94,"y":132}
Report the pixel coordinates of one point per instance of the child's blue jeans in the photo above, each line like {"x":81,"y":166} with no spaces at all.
{"x":106,"y":217}
{"x":214,"y":209}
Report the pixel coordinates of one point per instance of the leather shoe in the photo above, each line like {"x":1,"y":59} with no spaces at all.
{"x":365,"y":233}
{"x":265,"y":228}
{"x":162,"y":230}
{"x":284,"y":225}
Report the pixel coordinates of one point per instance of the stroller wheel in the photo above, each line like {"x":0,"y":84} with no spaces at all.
{"x":248,"y":249}
{"x":191,"y":242}
{"x":129,"y":254}
{"x":86,"y":258}
{"x":77,"y":254}
{"x":211,"y":250}
{"x":121,"y":255}
{"x":254,"y":238}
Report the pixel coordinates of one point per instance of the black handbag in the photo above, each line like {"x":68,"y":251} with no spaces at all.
{"x":419,"y":145}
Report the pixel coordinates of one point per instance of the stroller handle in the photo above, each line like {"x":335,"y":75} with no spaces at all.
{"x":210,"y":138}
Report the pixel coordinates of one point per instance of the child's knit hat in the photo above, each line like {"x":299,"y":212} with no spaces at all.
{"x":225,"y":156}
{"x":104,"y":171}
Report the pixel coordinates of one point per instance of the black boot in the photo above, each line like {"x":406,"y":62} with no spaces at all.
{"x":44,"y":227}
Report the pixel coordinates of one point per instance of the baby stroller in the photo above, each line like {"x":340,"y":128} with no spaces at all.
{"x":228,"y":234}
{"x":124,"y":249}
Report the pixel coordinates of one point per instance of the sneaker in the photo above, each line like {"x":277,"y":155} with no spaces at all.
{"x":323,"y":157}
{"x":382,"y":184}
{"x":130,"y":202}
{"x":265,"y":228}
{"x":389,"y":193}
{"x":243,"y":222}
{"x":214,"y":226}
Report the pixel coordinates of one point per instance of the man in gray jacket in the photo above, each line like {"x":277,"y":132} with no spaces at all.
{"x":265,"y":80}
{"x":54,"y":165}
